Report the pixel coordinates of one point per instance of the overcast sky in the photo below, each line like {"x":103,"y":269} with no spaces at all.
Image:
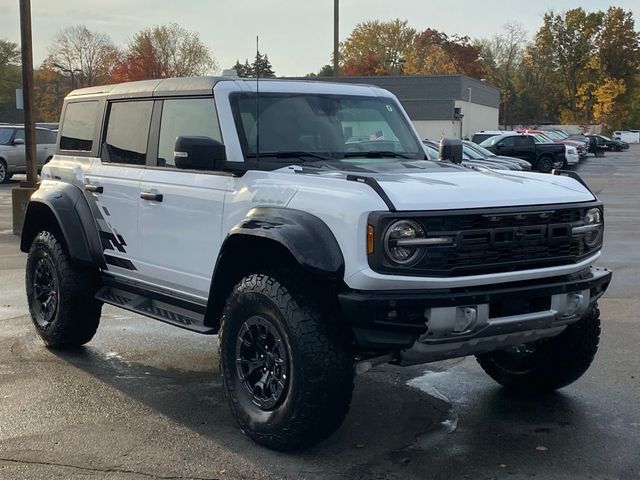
{"x":296,"y":34}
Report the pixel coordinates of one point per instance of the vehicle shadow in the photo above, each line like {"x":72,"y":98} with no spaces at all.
{"x":391,"y":431}
{"x":383,"y":417}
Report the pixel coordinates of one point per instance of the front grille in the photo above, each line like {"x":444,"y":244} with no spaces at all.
{"x":494,"y":241}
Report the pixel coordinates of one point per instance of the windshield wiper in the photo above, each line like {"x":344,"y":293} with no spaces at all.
{"x":290,"y":154}
{"x":375,"y":154}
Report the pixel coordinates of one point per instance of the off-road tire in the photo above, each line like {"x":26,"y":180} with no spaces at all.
{"x":75,"y":318}
{"x":4,"y":172}
{"x":556,"y":362}
{"x":320,"y":366}
{"x":545,"y":164}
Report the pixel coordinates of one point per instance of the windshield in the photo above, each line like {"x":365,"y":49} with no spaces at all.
{"x":331,"y":127}
{"x":490,"y":142}
{"x":5,"y":135}
{"x":471,"y":153}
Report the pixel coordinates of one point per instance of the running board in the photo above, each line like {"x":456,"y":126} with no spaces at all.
{"x":176,"y":312}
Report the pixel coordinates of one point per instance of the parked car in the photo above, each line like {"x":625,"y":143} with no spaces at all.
{"x":558,"y":137}
{"x":482,"y":135}
{"x":310,"y":258}
{"x":542,"y":156}
{"x":12,"y":150}
{"x":489,"y":155}
{"x":593,"y":146}
{"x":610,"y":144}
{"x":433,"y":152}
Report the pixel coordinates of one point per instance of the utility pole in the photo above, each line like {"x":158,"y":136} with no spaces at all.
{"x":336,"y":37}
{"x":27,"y":91}
{"x":20,"y":195}
{"x":469,"y":114}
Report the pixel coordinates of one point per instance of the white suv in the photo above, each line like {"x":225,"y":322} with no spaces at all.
{"x":305,"y":227}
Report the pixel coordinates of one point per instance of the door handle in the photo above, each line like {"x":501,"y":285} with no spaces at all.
{"x":94,"y":188}
{"x":154,"y":197}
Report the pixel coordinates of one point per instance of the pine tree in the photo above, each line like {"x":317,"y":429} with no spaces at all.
{"x":263,"y":66}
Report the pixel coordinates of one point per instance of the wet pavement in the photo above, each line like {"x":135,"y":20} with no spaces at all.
{"x":144,"y":400}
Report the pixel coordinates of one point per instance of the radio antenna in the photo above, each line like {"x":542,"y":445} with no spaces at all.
{"x":257,"y":62}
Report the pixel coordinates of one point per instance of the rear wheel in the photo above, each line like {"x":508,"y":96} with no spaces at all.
{"x":60,"y":295}
{"x":545,"y":164}
{"x":285,"y":361}
{"x":547,"y":364}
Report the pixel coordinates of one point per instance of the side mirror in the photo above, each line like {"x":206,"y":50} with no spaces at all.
{"x":18,"y":141}
{"x":199,"y":153}
{"x":451,"y":149}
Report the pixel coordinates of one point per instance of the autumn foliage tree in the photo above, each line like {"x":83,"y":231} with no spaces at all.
{"x":164,"y":51}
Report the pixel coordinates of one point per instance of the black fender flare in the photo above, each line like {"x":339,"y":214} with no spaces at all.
{"x":305,"y":236}
{"x":70,"y":209}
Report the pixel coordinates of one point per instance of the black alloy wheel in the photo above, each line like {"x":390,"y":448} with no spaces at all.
{"x":262,"y":362}
{"x":46,"y":291}
{"x":3,"y":172}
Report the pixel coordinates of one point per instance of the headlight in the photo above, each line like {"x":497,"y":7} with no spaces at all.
{"x":572,"y":150}
{"x":398,"y":241}
{"x":592,"y":229}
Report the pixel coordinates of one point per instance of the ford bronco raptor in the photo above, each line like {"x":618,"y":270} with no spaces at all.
{"x":302,"y":224}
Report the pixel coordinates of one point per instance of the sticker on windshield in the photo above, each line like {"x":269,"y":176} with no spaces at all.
{"x":379,"y":135}
{"x":390,"y":108}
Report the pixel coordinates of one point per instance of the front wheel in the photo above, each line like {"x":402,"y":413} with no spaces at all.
{"x":285,"y":361}
{"x":547,"y":364}
{"x":4,"y":172}
{"x":60,"y":295}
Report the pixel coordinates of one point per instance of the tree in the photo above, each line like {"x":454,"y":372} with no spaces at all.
{"x":434,"y":52}
{"x":9,"y":53}
{"x":243,"y":70}
{"x":262,"y":66}
{"x":377,"y":48}
{"x":50,"y":88}
{"x":164,"y":51}
{"x":501,"y":58}
{"x":10,"y":79}
{"x":89,"y":55}
{"x":605,"y":108}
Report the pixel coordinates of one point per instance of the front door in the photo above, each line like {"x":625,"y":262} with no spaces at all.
{"x":180,"y":211}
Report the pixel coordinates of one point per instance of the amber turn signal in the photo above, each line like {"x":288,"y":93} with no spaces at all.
{"x":369,"y":239}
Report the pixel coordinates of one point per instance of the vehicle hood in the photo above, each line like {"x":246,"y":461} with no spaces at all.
{"x":427,"y":185}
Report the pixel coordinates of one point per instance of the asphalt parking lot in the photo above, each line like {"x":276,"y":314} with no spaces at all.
{"x":144,"y":400}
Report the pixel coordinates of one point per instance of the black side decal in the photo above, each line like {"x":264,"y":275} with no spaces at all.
{"x":119,"y":262}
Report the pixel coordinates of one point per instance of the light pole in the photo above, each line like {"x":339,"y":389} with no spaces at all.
{"x":336,"y":38}
{"x":469,"y":113}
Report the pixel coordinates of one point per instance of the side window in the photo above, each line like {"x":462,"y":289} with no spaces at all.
{"x":43,"y":137}
{"x":522,"y":142}
{"x":193,"y":117}
{"x":19,"y":134}
{"x":127,"y":132}
{"x":508,"y":142}
{"x":79,"y":126}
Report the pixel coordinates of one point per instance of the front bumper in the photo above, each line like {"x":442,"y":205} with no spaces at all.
{"x":397,"y":320}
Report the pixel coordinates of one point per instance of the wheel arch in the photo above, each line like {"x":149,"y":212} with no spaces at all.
{"x":63,"y":208}
{"x":269,"y":238}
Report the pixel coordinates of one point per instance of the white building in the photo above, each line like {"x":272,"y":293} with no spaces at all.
{"x":453,"y":105}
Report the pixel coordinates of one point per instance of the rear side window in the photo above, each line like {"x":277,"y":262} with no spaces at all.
{"x":79,"y":126}
{"x":127,"y":133}
{"x":44,"y":137}
{"x":507,"y":142}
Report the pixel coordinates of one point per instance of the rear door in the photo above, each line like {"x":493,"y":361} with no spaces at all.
{"x":180,"y":211}
{"x":113,"y":183}
{"x":525,"y":148}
